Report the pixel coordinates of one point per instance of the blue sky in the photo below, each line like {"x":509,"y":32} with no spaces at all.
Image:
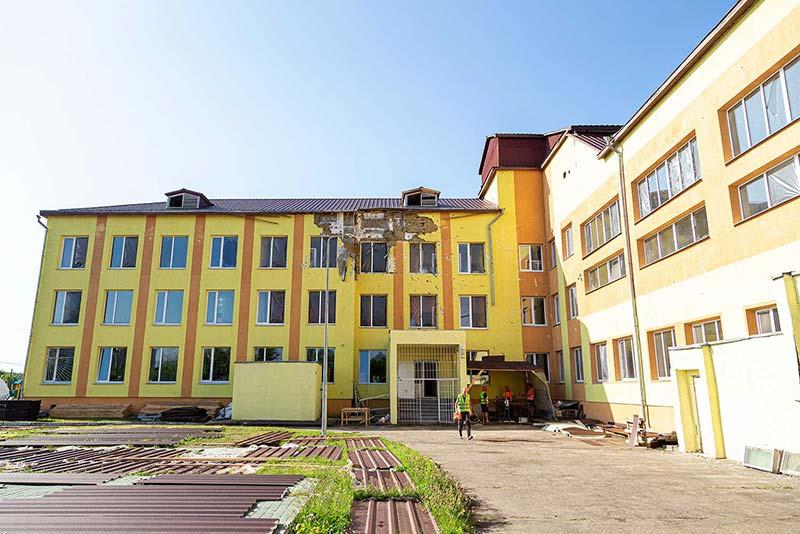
{"x":118,"y":102}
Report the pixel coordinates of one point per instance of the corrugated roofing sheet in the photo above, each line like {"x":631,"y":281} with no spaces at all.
{"x":364,"y":443}
{"x":47,"y":523}
{"x":267,"y":438}
{"x":391,"y":517}
{"x":222,"y":480}
{"x":369,"y":459}
{"x":382,"y":479}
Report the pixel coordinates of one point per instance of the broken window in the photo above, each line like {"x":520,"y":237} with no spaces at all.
{"x":533,"y":311}
{"x":270,"y":307}
{"x":373,"y":257}
{"x":541,"y":360}
{"x":123,"y":252}
{"x":67,"y":307}
{"x":112,"y":364}
{"x":273,"y":252}
{"x":423,"y":258}
{"x":677,"y":236}
{"x":602,"y":228}
{"x":423,"y":311}
{"x":216,"y":365}
{"x":473,"y":311}
{"x":607,"y":272}
{"x":774,"y":187}
{"x":58,"y":367}
{"x":73,"y":252}
{"x":316,"y":354}
{"x":373,"y":310}
{"x":678,"y":172}
{"x":577,"y":357}
{"x":321,"y":248}
{"x":530,"y":258}
{"x":372,"y":367}
{"x":164,"y":364}
{"x":601,"y":361}
{"x":560,"y":362}
{"x":316,"y":307}
{"x":223,"y":252}
{"x":470,"y":258}
{"x":268,"y":354}
{"x":627,"y":361}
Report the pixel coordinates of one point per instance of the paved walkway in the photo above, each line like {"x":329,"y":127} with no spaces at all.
{"x":525,"y":481}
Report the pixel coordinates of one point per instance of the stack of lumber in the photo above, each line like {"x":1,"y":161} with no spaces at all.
{"x":157,"y":408}
{"x":90,"y":411}
{"x":186,"y":414}
{"x":20,"y":410}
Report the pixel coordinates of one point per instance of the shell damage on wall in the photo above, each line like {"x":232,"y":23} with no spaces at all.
{"x":354,"y":228}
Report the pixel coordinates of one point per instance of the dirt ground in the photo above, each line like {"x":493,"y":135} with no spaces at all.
{"x":524,"y":480}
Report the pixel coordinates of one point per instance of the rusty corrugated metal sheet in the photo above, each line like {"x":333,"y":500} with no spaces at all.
{"x":391,"y":517}
{"x":54,"y":479}
{"x":382,"y":479}
{"x":223,"y":480}
{"x":364,"y":443}
{"x":327,"y":452}
{"x":47,"y":523}
{"x":309,"y":440}
{"x":269,"y":453}
{"x":369,"y":459}
{"x":267,"y":438}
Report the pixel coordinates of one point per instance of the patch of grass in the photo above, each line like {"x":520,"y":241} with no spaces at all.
{"x":438,"y":491}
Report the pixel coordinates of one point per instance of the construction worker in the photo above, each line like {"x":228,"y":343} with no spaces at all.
{"x":464,"y":409}
{"x":485,"y":405}
{"x":530,"y":396}
{"x":508,"y":396}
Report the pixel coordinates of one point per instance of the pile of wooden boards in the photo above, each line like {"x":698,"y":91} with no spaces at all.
{"x":90,"y":411}
{"x":19,"y":410}
{"x":157,"y":408}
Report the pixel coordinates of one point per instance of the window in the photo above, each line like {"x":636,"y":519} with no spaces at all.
{"x":58,"y":367}
{"x":627,"y":362}
{"x":118,"y":307}
{"x":73,"y":252}
{"x":707,"y":332}
{"x":577,"y":358}
{"x":112,"y":365}
{"x":676,"y":236}
{"x":173,"y":252}
{"x":169,"y":307}
{"x":553,"y":257}
{"x":541,"y":360}
{"x":569,"y":246}
{"x":662,"y":341}
{"x":679,"y":171}
{"x":216,"y":365}
{"x":530,"y":258}
{"x":601,"y":360}
{"x":316,"y":307}
{"x":768,"y":321}
{"x":319,"y":246}
{"x":572,"y":292}
{"x":533,"y":311}
{"x":123,"y":252}
{"x":473,"y":311}
{"x":373,"y":257}
{"x":767,"y":109}
{"x":602,"y":228}
{"x":220,"y":307}
{"x":223,"y":252}
{"x":269,"y":354}
{"x":67,"y":307}
{"x":772,"y":188}
{"x":270,"y":307}
{"x":607,"y":272}
{"x":372,"y":367}
{"x":470,"y":258}
{"x":476,"y":355}
{"x":373,"y":311}
{"x":423,"y":258}
{"x":423,"y":311}
{"x":316,"y":355}
{"x":560,"y":361}
{"x":556,"y":309}
{"x":164,"y":365}
{"x":273,"y":252}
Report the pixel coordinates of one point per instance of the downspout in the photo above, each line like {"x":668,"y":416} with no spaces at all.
{"x":491,"y":255}
{"x":610,"y":144}
{"x":35,"y":305}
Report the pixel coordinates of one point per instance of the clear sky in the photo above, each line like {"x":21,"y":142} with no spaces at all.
{"x":116,"y":102}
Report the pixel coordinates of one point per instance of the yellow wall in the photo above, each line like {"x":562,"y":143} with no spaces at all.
{"x":277,"y":391}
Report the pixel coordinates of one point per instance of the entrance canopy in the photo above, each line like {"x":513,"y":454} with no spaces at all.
{"x":533,"y":374}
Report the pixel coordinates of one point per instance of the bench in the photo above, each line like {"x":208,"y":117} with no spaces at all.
{"x":354,"y":415}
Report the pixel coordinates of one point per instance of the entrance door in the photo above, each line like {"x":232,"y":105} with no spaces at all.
{"x":697,"y":388}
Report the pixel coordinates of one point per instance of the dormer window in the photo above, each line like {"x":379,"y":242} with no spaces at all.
{"x":186,"y":199}
{"x":421,"y":197}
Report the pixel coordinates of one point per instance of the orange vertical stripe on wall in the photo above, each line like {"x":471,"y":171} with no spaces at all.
{"x":398,"y":297}
{"x":90,"y":312}
{"x":447,"y":272}
{"x":137,"y":354}
{"x":297,"y":287}
{"x":192,"y":308}
{"x":245,"y":289}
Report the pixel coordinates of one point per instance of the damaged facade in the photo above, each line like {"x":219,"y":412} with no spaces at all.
{"x":158,"y":301}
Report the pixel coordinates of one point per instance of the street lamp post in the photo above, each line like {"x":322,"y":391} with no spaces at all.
{"x":324,"y":424}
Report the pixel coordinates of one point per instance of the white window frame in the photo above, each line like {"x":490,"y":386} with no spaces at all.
{"x":467,"y":246}
{"x":57,"y":357}
{"x":435,"y":314}
{"x":111,"y":354}
{"x":370,"y":353}
{"x":795,"y":161}
{"x":219,"y":263}
{"x":601,"y":362}
{"x":531,"y":268}
{"x":271,"y":260}
{"x":325,"y":243}
{"x":322,"y":299}
{"x":125,"y":239}
{"x":319,"y":354}
{"x":695,"y":238}
{"x":417,"y":269}
{"x":371,"y":246}
{"x":58,"y":312}
{"x":574,"y":311}
{"x":171,"y":265}
{"x":372,"y":324}
{"x":643,"y":185}
{"x":211,"y":379}
{"x":702,"y":325}
{"x":569,"y":244}
{"x":590,"y":240}
{"x":532,"y":301}
{"x":774,"y":320}
{"x":471,"y":305}
{"x":627,"y":373}
{"x":268,"y":293}
{"x":162,"y":321}
{"x":781,"y":74}
{"x":577,"y":359}
{"x":553,"y":254}
{"x":594,"y":274}
{"x":556,"y":309}
{"x":73,"y":239}
{"x":664,"y":357}
{"x":116,"y":293}
{"x":263,"y":349}
{"x":159,"y":353}
{"x":215,"y":293}
{"x":561,"y":368}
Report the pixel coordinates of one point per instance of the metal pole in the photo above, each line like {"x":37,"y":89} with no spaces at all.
{"x":324,"y":428}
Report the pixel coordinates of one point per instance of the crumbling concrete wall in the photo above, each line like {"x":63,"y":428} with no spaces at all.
{"x":353,"y":228}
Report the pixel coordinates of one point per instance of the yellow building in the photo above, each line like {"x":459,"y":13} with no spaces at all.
{"x":592,"y":252}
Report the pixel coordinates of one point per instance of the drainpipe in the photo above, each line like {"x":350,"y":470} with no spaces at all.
{"x":491,"y":255}
{"x":611,"y":144}
{"x":35,"y":304}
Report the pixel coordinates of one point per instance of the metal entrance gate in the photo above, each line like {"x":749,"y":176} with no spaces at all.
{"x":427,"y":383}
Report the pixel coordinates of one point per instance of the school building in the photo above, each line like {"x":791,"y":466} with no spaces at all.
{"x":648,"y":268}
